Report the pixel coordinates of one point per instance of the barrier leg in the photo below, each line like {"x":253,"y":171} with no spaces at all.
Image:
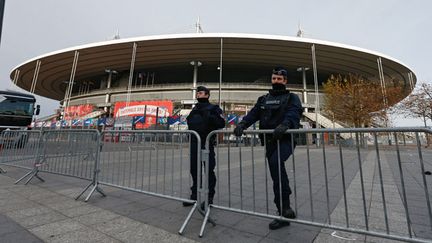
{"x":82,"y":192}
{"x":37,"y":176}
{"x":203,"y":213}
{"x":206,"y":218}
{"x":91,"y":193}
{"x":95,"y":182}
{"x":2,"y":171}
{"x":94,"y":188}
{"x":187,"y":219}
{"x":98,"y":189}
{"x":24,"y":176}
{"x":33,"y":173}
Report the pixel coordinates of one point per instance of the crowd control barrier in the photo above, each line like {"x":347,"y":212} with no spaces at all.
{"x":376,"y":182}
{"x":18,"y":148}
{"x":66,"y":152}
{"x":367,"y":181}
{"x":153,"y":162}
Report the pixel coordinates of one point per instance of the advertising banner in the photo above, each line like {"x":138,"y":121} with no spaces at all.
{"x":77,"y":111}
{"x":109,"y":122}
{"x":101,"y":121}
{"x":232,"y":119}
{"x":77,"y":123}
{"x":88,"y":122}
{"x":123,"y":122}
{"x":138,"y":119}
{"x":146,"y":110}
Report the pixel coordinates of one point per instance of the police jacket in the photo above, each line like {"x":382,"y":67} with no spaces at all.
{"x":275,"y":108}
{"x":205,"y":118}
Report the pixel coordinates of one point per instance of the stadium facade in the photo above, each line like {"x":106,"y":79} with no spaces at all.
{"x":108,"y":77}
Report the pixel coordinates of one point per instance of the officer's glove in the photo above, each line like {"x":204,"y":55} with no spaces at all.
{"x":238,"y":131}
{"x":279,"y":131}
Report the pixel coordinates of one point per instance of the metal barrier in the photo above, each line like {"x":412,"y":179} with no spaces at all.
{"x":65,"y":152}
{"x":153,"y":162}
{"x":19,"y":148}
{"x":70,"y":152}
{"x":374,"y":185}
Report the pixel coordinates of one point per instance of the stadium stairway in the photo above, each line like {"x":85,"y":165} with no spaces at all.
{"x":327,"y":123}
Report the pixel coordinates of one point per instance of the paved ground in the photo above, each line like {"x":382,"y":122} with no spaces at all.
{"x":46,"y":212}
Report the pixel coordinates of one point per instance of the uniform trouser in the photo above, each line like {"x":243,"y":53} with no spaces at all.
{"x":273,"y":159}
{"x":194,"y":174}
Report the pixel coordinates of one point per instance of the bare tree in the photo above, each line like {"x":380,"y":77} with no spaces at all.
{"x":418,"y":104}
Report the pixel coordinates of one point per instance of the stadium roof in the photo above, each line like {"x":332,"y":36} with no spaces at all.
{"x":251,"y":50}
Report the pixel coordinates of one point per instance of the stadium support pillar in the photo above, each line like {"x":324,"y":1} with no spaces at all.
{"x":304,"y":93}
{"x":35,"y":77}
{"x":196,"y":64}
{"x":384,"y":94}
{"x":69,"y":87}
{"x":108,"y":93}
{"x":410,"y":80}
{"x":132,"y":69}
{"x":382,"y":81}
{"x":220,"y":72}
{"x":16,"y":76}
{"x":317,"y":101}
{"x":107,"y":100}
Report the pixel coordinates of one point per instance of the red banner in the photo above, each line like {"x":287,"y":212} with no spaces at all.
{"x":163,"y":108}
{"x":77,"y":111}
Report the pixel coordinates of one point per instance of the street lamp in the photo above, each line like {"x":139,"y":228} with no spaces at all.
{"x":2,"y":6}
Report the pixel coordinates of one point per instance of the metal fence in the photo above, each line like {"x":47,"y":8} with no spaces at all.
{"x":65,"y":152}
{"x":19,"y":148}
{"x":152,"y":162}
{"x":374,"y":183}
{"x":366,"y":186}
{"x":71,"y":153}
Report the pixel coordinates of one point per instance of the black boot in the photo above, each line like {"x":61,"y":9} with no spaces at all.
{"x":188,"y":204}
{"x":277,"y":224}
{"x":286,"y":213}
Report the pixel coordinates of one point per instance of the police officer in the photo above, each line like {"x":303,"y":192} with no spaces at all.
{"x":279,"y":110}
{"x":203,"y":119}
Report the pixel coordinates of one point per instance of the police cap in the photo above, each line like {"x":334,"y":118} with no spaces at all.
{"x":280,"y":71}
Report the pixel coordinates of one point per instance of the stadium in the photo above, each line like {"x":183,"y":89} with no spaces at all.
{"x":156,"y":76}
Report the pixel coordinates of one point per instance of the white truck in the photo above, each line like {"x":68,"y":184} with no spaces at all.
{"x":16,"y":114}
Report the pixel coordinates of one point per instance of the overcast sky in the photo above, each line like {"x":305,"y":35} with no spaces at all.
{"x":398,"y":28}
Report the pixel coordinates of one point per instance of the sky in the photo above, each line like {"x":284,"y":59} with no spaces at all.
{"x":397,"y":28}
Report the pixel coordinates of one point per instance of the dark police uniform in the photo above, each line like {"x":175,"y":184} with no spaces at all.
{"x":203,"y":119}
{"x":279,"y":109}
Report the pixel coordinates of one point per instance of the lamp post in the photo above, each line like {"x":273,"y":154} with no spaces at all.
{"x":2,"y":6}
